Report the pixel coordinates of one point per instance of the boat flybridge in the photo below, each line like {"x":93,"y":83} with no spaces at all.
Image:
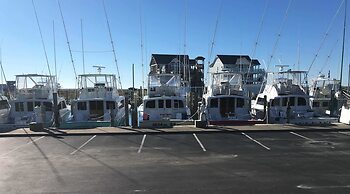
{"x":166,"y":99}
{"x":225,"y":101}
{"x":325,"y":96}
{"x":285,"y":97}
{"x":35,"y":91}
{"x":98,"y":101}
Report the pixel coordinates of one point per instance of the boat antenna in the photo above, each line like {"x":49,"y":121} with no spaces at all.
{"x":213,"y":40}
{"x":325,"y":37}
{"x":142,"y":52}
{"x":343,"y":46}
{"x":82,"y":44}
{"x":256,"y":43}
{"x":99,"y":68}
{"x":42,"y":42}
{"x":112,"y":44}
{"x":67,"y":39}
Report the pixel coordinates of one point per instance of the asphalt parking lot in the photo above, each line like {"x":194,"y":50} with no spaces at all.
{"x":237,"y":162}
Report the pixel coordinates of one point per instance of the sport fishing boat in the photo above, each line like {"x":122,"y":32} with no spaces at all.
{"x":98,"y":102}
{"x":35,"y":91}
{"x":325,"y":96}
{"x":285,"y":98}
{"x":225,"y":101}
{"x":166,"y":100}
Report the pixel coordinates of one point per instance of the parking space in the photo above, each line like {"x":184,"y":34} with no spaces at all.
{"x":267,"y":162}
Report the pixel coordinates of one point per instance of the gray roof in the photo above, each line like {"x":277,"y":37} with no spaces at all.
{"x":232,"y":59}
{"x":166,"y":58}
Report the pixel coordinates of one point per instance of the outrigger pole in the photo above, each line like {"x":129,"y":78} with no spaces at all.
{"x":343,"y":46}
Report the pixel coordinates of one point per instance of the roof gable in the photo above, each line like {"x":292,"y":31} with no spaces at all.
{"x":167,"y":58}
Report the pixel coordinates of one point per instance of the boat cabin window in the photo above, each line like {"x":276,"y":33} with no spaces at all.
{"x":276,"y":102}
{"x":121,"y":104}
{"x":325,"y":104}
{"x":240,"y":102}
{"x":151,"y":104}
{"x":181,"y":104}
{"x":284,"y":101}
{"x":301,"y":101}
{"x":168,"y":103}
{"x":160,"y":103}
{"x":292,"y":101}
{"x":62,"y":105}
{"x":316,"y":104}
{"x":96,"y":105}
{"x":260,"y":101}
{"x":214,"y":103}
{"x":99,"y":85}
{"x":4,"y":104}
{"x":48,"y":106}
{"x":110,"y":105}
{"x":30,"y":106}
{"x":176,"y":103}
{"x":37,"y":104}
{"x":82,"y":106}
{"x":19,"y":107}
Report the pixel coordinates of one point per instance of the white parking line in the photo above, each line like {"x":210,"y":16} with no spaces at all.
{"x":344,"y":133}
{"x":262,"y":145}
{"x":84,"y":144}
{"x":199,"y":142}
{"x":32,"y":141}
{"x":322,"y":187}
{"x":296,"y":134}
{"x":142,"y":142}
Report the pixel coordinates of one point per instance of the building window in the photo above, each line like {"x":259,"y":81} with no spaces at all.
{"x":316,"y":104}
{"x":82,"y":106}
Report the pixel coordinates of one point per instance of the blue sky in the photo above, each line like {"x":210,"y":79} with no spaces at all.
{"x":163,"y":32}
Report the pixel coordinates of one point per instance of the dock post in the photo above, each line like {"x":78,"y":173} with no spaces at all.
{"x":266,"y":115}
{"x":126,"y":108}
{"x":56,"y":112}
{"x":288,"y":113}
